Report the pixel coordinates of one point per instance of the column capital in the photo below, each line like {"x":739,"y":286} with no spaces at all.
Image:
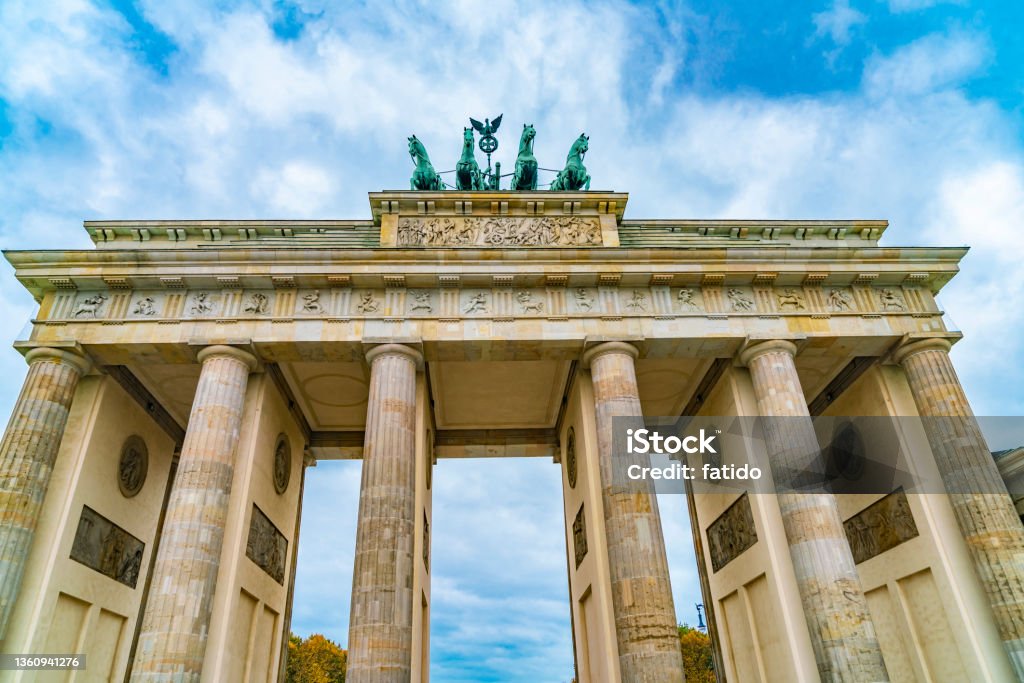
{"x":222,"y":351}
{"x":909,"y":347}
{"x":71,"y":357}
{"x":760,"y":348}
{"x":308,"y":459}
{"x":609,"y":347}
{"x":395,"y":350}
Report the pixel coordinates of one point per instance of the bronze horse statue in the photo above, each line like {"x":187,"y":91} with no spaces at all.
{"x":574,"y":175}
{"x":467,"y":172}
{"x":424,"y":177}
{"x":525,"y":177}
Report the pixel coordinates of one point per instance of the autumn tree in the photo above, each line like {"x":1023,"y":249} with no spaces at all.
{"x":315,"y":660}
{"x":698,"y":662}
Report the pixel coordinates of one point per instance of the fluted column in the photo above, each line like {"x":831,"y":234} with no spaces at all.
{"x":983,"y":508}
{"x":842,"y":634}
{"x":27,"y":455}
{"x":380,"y":625}
{"x":645,"y":619}
{"x":172,"y":643}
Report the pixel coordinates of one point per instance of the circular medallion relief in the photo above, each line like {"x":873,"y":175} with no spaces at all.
{"x":132,"y":466}
{"x":570,"y":457}
{"x":282,"y":464}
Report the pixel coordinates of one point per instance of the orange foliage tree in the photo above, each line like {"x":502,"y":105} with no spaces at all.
{"x":698,"y":663}
{"x":315,"y":660}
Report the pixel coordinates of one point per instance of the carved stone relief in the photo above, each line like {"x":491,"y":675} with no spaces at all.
{"x":637,"y":302}
{"x":500,"y":231}
{"x":202,"y":304}
{"x":420,"y":301}
{"x":145,"y":307}
{"x":311,"y":302}
{"x":367,"y":303}
{"x":132,"y":466}
{"x":688,"y":300}
{"x":839,"y":300}
{"x":477,"y":303}
{"x":881,"y":526}
{"x":90,"y":306}
{"x":426,"y":542}
{"x":266,"y":546}
{"x":579,"y":536}
{"x":282,"y":464}
{"x":891,"y":300}
{"x":739,"y":301}
{"x":570,"y":457}
{"x":430,"y":457}
{"x":584,"y":299}
{"x":732,"y":533}
{"x":107,"y":548}
{"x":527,"y":304}
{"x":256,"y":304}
{"x":790,"y":299}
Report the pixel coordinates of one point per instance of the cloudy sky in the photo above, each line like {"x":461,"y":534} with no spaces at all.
{"x":908,"y":110}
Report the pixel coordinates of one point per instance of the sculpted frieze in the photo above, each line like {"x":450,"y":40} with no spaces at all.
{"x":881,"y":526}
{"x":732,"y":533}
{"x":500,"y":231}
{"x":102,"y":545}
{"x":266,"y":546}
{"x":483,"y":302}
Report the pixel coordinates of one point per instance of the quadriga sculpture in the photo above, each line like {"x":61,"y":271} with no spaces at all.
{"x":467,"y":172}
{"x":525,"y":177}
{"x":424,"y":177}
{"x":574,"y":175}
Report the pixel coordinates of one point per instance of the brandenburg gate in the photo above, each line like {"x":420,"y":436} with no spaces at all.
{"x":183,"y":377}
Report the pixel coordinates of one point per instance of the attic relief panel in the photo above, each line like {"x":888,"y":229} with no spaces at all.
{"x":506,"y":231}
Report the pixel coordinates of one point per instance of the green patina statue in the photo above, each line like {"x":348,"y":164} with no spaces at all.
{"x":525,"y":177}
{"x":424,"y":177}
{"x":467,"y":172}
{"x":574,"y":175}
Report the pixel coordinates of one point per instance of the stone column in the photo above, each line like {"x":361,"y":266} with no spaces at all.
{"x":983,"y":508}
{"x":27,"y":456}
{"x":842,"y":634}
{"x":172,"y":643}
{"x":380,"y":626}
{"x":645,"y":618}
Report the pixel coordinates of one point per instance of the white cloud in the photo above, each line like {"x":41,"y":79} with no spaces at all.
{"x":930,"y":63}
{"x":838,"y":22}
{"x":899,"y":6}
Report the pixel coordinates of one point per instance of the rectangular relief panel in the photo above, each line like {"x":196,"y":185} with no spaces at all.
{"x":107,"y":548}
{"x":267,"y":546}
{"x":732,"y":533}
{"x":500,"y":231}
{"x":579,"y":536}
{"x":881,"y":526}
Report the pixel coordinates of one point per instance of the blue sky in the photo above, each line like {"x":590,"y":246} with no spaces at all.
{"x":908,"y":110}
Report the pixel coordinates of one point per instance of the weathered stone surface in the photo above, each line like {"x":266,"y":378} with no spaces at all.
{"x":842,"y":633}
{"x":172,"y":643}
{"x":27,"y":455}
{"x":380,"y":626}
{"x":645,"y":621}
{"x":983,"y":508}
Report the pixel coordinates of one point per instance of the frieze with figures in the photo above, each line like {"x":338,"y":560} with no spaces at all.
{"x":503,"y":302}
{"x":500,"y":231}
